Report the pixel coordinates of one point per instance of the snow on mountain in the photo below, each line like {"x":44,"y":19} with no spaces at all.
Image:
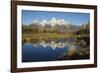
{"x":52,"y":22}
{"x":44,"y":22}
{"x":61,"y":22}
{"x":35,"y":21}
{"x":59,"y":25}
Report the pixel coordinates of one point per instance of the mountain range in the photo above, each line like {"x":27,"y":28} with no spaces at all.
{"x":51,"y":22}
{"x":59,"y":25}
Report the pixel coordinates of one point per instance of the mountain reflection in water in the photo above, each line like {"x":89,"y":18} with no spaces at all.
{"x":52,"y":44}
{"x":59,"y":49}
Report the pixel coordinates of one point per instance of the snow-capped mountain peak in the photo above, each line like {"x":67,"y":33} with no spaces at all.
{"x":51,"y":22}
{"x":43,"y":22}
{"x":35,"y":21}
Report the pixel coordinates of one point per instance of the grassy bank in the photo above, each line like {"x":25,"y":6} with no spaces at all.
{"x":30,"y":37}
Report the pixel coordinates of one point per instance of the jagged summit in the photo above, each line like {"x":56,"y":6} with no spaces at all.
{"x":51,"y":22}
{"x":43,"y":22}
{"x":35,"y":21}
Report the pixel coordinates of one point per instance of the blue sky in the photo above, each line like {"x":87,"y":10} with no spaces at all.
{"x":75,"y":18}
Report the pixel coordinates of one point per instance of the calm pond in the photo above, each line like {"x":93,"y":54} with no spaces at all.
{"x":50,"y":50}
